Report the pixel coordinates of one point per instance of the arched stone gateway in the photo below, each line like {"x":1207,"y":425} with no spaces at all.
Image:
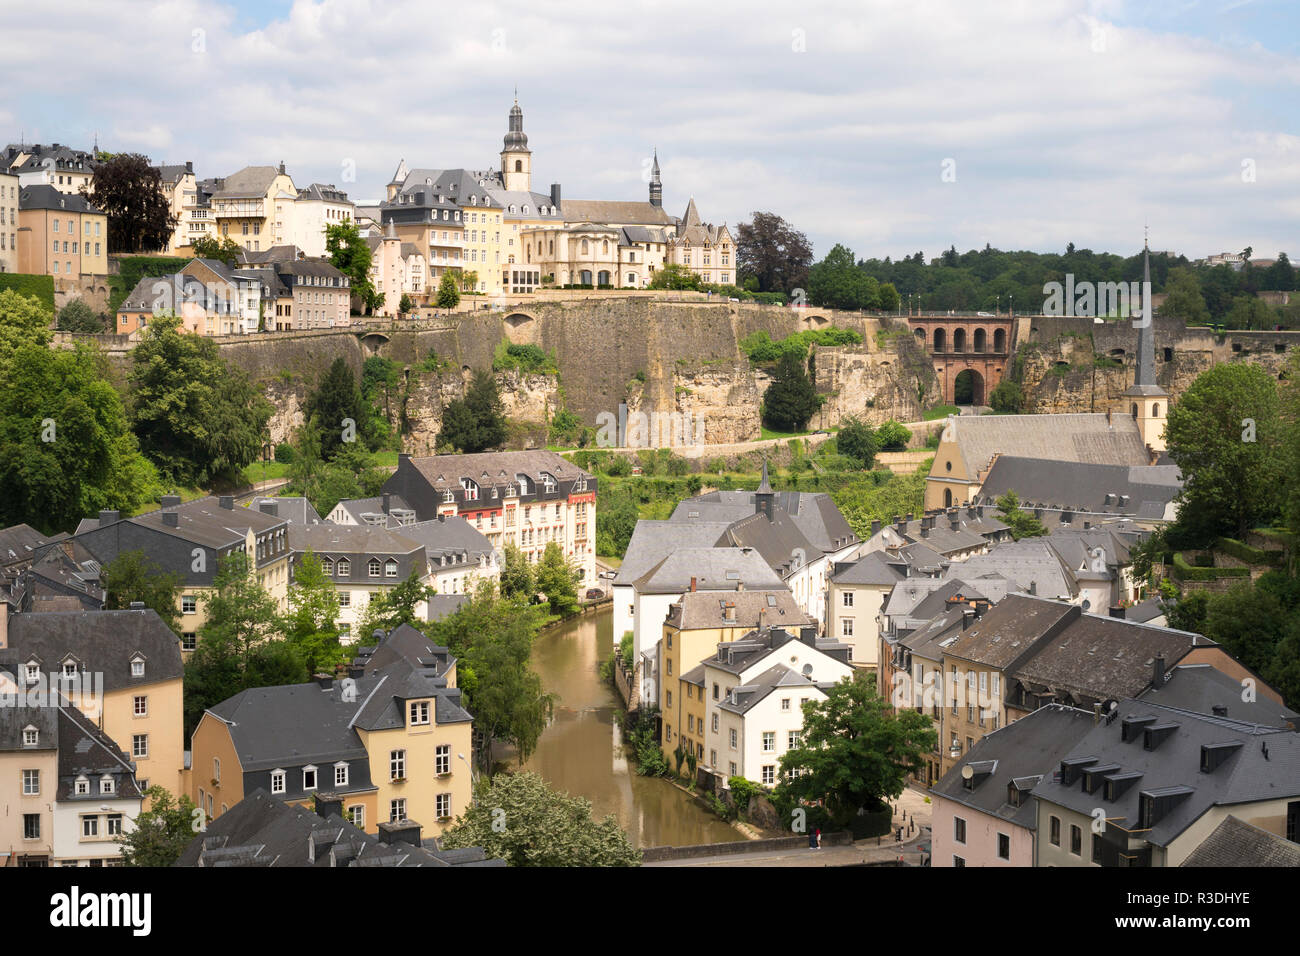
{"x":968,"y":388}
{"x":518,"y":319}
{"x":980,"y":344}
{"x":373,"y":341}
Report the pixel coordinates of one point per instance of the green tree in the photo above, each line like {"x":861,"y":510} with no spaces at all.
{"x":311,"y":626}
{"x":224,"y":249}
{"x":403,"y":604}
{"x":1225,"y":435}
{"x":1249,"y":312}
{"x":469,"y":280}
{"x":76,"y":316}
{"x":517,"y":578}
{"x":128,"y":190}
{"x":541,"y":827}
{"x":790,"y":400}
{"x":893,"y":436}
{"x":197,"y":419}
{"x":837,"y":282}
{"x":1022,"y":523}
{"x":406,"y":305}
{"x":131,"y":576}
{"x":334,"y":404}
{"x":1183,"y":298}
{"x":557,"y":579}
{"x":771,"y":250}
{"x":477,"y":422}
{"x":854,"y":752}
{"x":1280,"y":275}
{"x":68,"y":451}
{"x":237,"y":647}
{"x":1007,"y":397}
{"x":857,"y":441}
{"x":889,"y":297}
{"x":350,"y":254}
{"x":674,"y":276}
{"x":162,"y":832}
{"x":448,"y":294}
{"x":23,"y":321}
{"x":616,"y":519}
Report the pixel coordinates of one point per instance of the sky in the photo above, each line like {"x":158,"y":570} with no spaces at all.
{"x":890,"y":126}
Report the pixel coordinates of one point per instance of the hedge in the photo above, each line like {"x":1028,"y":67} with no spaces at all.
{"x":1244,"y":552}
{"x":1186,"y":572}
{"x":39,"y":287}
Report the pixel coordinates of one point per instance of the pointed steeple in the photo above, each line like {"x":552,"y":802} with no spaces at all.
{"x":692,"y":217}
{"x":764,"y":495}
{"x":656,"y":186}
{"x":1148,"y":403}
{"x":1146,"y":359}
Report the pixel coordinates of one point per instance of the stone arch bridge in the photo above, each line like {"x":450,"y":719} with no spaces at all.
{"x":976,"y":344}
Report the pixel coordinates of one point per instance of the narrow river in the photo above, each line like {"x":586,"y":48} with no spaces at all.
{"x":581,"y":752}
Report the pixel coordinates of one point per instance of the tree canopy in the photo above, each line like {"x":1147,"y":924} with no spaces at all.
{"x":790,"y":400}
{"x":772,"y":251}
{"x":476,"y":422}
{"x":128,"y":190}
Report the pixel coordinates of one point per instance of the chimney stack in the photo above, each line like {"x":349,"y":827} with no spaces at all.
{"x":693,"y":584}
{"x":387,"y":501}
{"x":967,"y":618}
{"x":1117,"y":611}
{"x":324,"y":681}
{"x":1158,"y":671}
{"x":399,"y":831}
{"x":107,"y":518}
{"x":875,"y":527}
{"x":169,"y":501}
{"x":227,"y":502}
{"x":171,"y":519}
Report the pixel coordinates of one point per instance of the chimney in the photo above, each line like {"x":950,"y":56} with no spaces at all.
{"x":555,"y":194}
{"x":693,"y":584}
{"x":762,"y":620}
{"x":1158,"y":671}
{"x":107,"y":518}
{"x":1096,"y":712}
{"x":399,"y":831}
{"x":227,"y":502}
{"x":967,"y":618}
{"x":909,"y":517}
{"x":171,"y":519}
{"x":271,"y":508}
{"x":387,"y":501}
{"x":1117,"y":611}
{"x":1033,"y":587}
{"x":442,"y":518}
{"x":925,"y":527}
{"x":328,"y":805}
{"x":900,"y":525}
{"x":136,"y":606}
{"x":189,"y":165}
{"x":169,"y":501}
{"x":875,"y":527}
{"x":282,"y":167}
{"x":324,"y":681}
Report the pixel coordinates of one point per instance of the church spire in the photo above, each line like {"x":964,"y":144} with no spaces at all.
{"x":656,"y":185}
{"x":1146,"y":360}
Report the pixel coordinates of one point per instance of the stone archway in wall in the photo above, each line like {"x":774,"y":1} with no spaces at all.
{"x":980,"y":344}
{"x":968,"y":388}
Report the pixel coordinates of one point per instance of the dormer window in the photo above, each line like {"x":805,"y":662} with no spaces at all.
{"x":69,"y":670}
{"x":448,"y":497}
{"x":309,"y":778}
{"x":82,"y":787}
{"x":372,"y":566}
{"x":106,"y":786}
{"x":471,"y":489}
{"x":31,"y":736}
{"x":277,"y":781}
{"x":327,"y":566}
{"x":390,"y":568}
{"x":419,"y":713}
{"x":31,"y":672}
{"x":137,"y":667}
{"x":344,"y":568}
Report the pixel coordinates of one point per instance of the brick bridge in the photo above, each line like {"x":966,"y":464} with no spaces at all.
{"x":978,"y":344}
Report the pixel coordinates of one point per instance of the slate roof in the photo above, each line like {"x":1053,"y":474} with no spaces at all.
{"x":1085,"y":487}
{"x":1237,"y":843}
{"x":604,"y":211}
{"x":294,"y":509}
{"x":251,"y":182}
{"x":102,"y":642}
{"x":745,"y":697}
{"x":814,"y":514}
{"x":701,"y":609}
{"x":349,"y":539}
{"x":47,"y":197}
{"x":451,"y":538}
{"x":451,"y":468}
{"x":652,"y":541}
{"x":1030,"y":562}
{"x":1265,"y":766}
{"x":1007,"y":631}
{"x":359,"y":507}
{"x":873,"y":568}
{"x":85,"y":750}
{"x":262,"y":830}
{"x":1031,"y":747}
{"x":735,"y":657}
{"x":713,"y":569}
{"x":1087,"y":438}
{"x":20,"y":543}
{"x":322,"y":192}
{"x":406,"y":643}
{"x":1201,"y":687}
{"x":779,"y":541}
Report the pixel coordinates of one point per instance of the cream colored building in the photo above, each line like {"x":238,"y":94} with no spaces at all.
{"x":180,"y":188}
{"x":705,"y":249}
{"x":8,"y":222}
{"x":254,"y":207}
{"x":60,"y":235}
{"x":66,"y":169}
{"x":316,"y":207}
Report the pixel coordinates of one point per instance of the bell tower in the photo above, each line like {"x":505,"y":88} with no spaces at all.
{"x":516,"y":157}
{"x":1146,"y":401}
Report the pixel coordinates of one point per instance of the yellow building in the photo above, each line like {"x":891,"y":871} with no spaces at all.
{"x":254,"y":207}
{"x":390,"y":742}
{"x":692,"y":631}
{"x":60,"y":235}
{"x":122,"y":669}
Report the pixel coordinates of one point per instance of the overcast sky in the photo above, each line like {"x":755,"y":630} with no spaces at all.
{"x":891,"y":127}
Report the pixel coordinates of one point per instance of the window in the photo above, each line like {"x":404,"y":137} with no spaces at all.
{"x":419,"y":712}
{"x":715,"y":723}
{"x":732,"y":737}
{"x":140,"y":745}
{"x":277,"y":781}
{"x":344,"y":568}
{"x":397,"y":764}
{"x":1055,"y":831}
{"x":309,"y":778}
{"x":340,"y":775}
{"x":69,"y":669}
{"x":1096,"y":849}
{"x":81,"y":786}
{"x":31,"y":783}
{"x":442,"y":759}
{"x":31,"y":826}
{"x":114,"y":824}
{"x":189,"y":641}
{"x":373,"y":567}
{"x":31,"y":736}
{"x":32,"y":672}
{"x":189,"y":604}
{"x":769,"y":741}
{"x":959,"y":829}
{"x":357,"y":816}
{"x":768,"y":774}
{"x":846,"y":627}
{"x":140,"y":705}
{"x":668,"y":696}
{"x":958,"y":862}
{"x":1004,"y":847}
{"x":1076,"y":841}
{"x":731,"y":769}
{"x":442,"y":804}
{"x":327,"y":566}
{"x":792,"y":739}
{"x":90,"y":826}
{"x":390,"y":568}
{"x":848,"y":599}
{"x":106,"y":785}
{"x":785,"y":703}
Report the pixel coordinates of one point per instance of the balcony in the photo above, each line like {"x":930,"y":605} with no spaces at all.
{"x":240,"y":209}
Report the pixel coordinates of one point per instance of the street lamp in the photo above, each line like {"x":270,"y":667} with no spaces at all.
{"x":473,"y":788}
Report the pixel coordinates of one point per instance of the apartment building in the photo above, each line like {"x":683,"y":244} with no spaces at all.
{"x":121,"y":669}
{"x":254,"y":207}
{"x":361,"y":561}
{"x":705,"y":249}
{"x":68,"y":791}
{"x":314,"y":208}
{"x":523,"y":498}
{"x":180,"y":188}
{"x":397,"y":268}
{"x":66,"y":169}
{"x":207,"y":296}
{"x":61,"y":235}
{"x":191,"y":539}
{"x":8,"y":222}
{"x":388,"y":743}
